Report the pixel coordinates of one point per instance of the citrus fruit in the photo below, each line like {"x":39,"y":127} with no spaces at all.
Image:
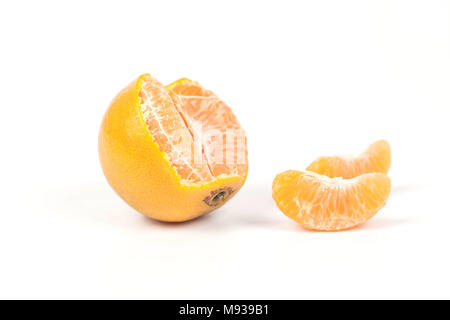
{"x":377,"y":158}
{"x":172,"y":153}
{"x":318,"y":202}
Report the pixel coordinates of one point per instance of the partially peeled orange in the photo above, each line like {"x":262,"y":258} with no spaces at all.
{"x":172,"y":153}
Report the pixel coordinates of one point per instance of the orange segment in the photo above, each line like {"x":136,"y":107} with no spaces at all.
{"x":186,"y":87}
{"x":377,"y":158}
{"x":169,"y":130}
{"x":223,"y":138}
{"x":318,"y":202}
{"x":198,"y":131}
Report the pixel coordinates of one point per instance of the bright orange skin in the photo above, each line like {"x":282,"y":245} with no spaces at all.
{"x":142,"y":175}
{"x":377,"y":158}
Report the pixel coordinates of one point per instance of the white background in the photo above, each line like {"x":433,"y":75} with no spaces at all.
{"x":304,"y":78}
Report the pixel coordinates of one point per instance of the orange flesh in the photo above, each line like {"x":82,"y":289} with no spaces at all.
{"x":199,"y":133}
{"x":318,"y":202}
{"x":377,"y":158}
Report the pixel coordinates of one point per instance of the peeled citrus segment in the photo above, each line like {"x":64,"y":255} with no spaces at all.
{"x":167,"y":152}
{"x":318,"y":202}
{"x":170,"y":132}
{"x":377,"y":158}
{"x":198,"y":131}
{"x":223,"y":138}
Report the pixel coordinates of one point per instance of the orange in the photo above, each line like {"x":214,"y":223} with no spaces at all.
{"x":377,"y":158}
{"x":318,"y":202}
{"x":172,"y":153}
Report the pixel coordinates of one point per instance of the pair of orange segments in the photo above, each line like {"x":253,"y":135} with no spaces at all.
{"x":177,"y":152}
